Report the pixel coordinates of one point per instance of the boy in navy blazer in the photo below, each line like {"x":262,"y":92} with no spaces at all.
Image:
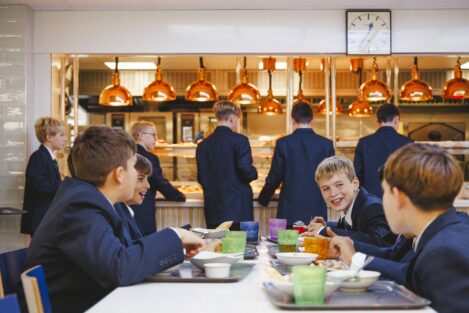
{"x":144,"y":134}
{"x":294,"y":163}
{"x":42,"y":173}
{"x":361,"y":213}
{"x":420,"y":184}
{"x":373,"y":150}
{"x":81,"y":242}
{"x":224,"y":170}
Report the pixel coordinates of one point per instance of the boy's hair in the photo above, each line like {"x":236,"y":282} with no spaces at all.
{"x":98,"y":151}
{"x":427,"y":174}
{"x":143,"y":165}
{"x":45,"y":126}
{"x":333,"y":165}
{"x":302,"y":113}
{"x":139,"y":127}
{"x":386,"y":112}
{"x":224,"y":108}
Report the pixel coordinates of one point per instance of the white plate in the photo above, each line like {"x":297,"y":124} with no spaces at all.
{"x":366,"y":279}
{"x":206,"y":257}
{"x":296,"y":258}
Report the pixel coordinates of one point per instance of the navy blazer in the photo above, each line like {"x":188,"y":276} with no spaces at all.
{"x":82,"y":246}
{"x":129,"y":223}
{"x":145,"y":212}
{"x":368,"y":222}
{"x":41,"y":184}
{"x":294,"y":164}
{"x":224,"y":170}
{"x":391,"y":262}
{"x":440,"y":269}
{"x":372,"y":152}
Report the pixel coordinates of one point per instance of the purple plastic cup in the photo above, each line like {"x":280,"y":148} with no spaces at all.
{"x":276,"y":224}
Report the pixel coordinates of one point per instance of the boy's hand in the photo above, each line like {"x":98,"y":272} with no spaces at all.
{"x":320,"y":220}
{"x":191,"y":242}
{"x":315,"y":227}
{"x":340,"y":246}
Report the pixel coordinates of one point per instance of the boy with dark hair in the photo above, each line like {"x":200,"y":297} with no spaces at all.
{"x":420,"y":184}
{"x":224,"y":170}
{"x":144,"y":134}
{"x":373,"y":150}
{"x":81,"y":242}
{"x":362,"y":217}
{"x":42,"y":173}
{"x":294,"y":163}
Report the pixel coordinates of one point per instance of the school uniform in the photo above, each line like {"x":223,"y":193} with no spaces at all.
{"x":439,"y":270}
{"x":127,"y":216}
{"x":41,"y":184}
{"x":145,"y":213}
{"x":294,"y":164}
{"x":81,"y":244}
{"x":224,"y":170}
{"x":372,"y":152}
{"x":368,"y":223}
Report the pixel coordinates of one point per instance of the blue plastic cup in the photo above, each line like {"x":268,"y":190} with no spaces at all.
{"x":252,"y":230}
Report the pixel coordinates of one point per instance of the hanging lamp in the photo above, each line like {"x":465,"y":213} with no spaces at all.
{"x":271,"y":106}
{"x":201,"y":90}
{"x":159,"y":90}
{"x":115,"y":94}
{"x":299,"y":65}
{"x":458,"y":87}
{"x":245,"y":93}
{"x":322,"y":107}
{"x":361,"y":107}
{"x":374,"y":89}
{"x":416,"y":90}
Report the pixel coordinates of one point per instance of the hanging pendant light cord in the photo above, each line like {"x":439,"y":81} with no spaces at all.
{"x":244,"y":66}
{"x":158,"y":62}
{"x":300,"y":73}
{"x":117,"y":64}
{"x":416,"y":63}
{"x":270,"y":79}
{"x":201,"y":62}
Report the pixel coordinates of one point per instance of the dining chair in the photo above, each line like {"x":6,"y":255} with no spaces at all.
{"x":11,"y":265}
{"x":35,"y":290}
{"x":9,"y":304}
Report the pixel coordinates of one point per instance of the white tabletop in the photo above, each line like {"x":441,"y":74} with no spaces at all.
{"x":244,"y":296}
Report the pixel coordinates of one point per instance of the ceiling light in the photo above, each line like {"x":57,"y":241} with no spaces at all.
{"x":416,"y":90}
{"x":360,"y":108}
{"x":159,"y":90}
{"x":322,"y":107}
{"x":132,"y":65}
{"x":458,"y":87}
{"x":245,"y":93}
{"x":374,"y":89}
{"x":271,"y":106}
{"x":280,"y":65}
{"x":201,"y":90}
{"x":299,"y":65}
{"x":115,"y":94}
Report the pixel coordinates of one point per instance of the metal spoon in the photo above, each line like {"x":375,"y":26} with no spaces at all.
{"x":354,"y":277}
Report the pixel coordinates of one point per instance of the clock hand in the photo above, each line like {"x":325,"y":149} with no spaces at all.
{"x":370,"y":27}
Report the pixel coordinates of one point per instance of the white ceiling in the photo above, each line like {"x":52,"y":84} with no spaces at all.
{"x":78,"y":5}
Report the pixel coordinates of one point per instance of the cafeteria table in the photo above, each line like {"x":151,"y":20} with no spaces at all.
{"x":244,"y":296}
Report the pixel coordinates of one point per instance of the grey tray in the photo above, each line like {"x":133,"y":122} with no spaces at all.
{"x":382,"y":295}
{"x":188,"y":273}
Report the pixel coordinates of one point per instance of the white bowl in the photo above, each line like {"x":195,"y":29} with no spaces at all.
{"x":296,"y":258}
{"x":207,"y":257}
{"x":365,"y":279}
{"x":217,"y":270}
{"x":288,"y":287}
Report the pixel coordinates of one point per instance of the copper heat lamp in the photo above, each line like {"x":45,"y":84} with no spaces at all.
{"x":159,"y":90}
{"x":361,"y":107}
{"x":201,"y":90}
{"x":271,"y":106}
{"x":115,"y":94}
{"x":416,"y":90}
{"x":245,"y":93}
{"x":299,"y":65}
{"x":374,"y":89}
{"x":458,"y":87}
{"x":322,"y":107}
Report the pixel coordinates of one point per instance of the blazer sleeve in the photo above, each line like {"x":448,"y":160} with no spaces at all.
{"x":107,"y":260}
{"x":162,"y":184}
{"x":243,"y":160}
{"x":392,"y":270}
{"x":358,"y":163}
{"x":42,"y":180}
{"x":275,"y":177}
{"x":373,"y":250}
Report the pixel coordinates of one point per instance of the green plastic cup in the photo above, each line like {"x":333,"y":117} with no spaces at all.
{"x":287,"y":240}
{"x":309,"y":283}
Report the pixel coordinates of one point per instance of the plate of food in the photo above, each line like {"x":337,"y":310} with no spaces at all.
{"x":296,"y":258}
{"x":347,"y":282}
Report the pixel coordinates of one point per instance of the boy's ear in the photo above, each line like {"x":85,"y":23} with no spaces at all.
{"x":401,"y":198}
{"x":355,"y":183}
{"x":117,"y":175}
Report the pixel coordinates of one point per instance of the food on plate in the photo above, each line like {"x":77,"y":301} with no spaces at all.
{"x":189,"y":189}
{"x":331,"y":264}
{"x":224,"y":226}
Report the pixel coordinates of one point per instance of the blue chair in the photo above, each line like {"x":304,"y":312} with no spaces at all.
{"x":11,"y":265}
{"x":9,"y":304}
{"x":35,"y":290}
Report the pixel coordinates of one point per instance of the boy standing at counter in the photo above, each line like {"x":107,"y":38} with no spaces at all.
{"x":294,"y":163}
{"x":144,"y":134}
{"x":224,"y":169}
{"x":373,"y":150}
{"x":81,"y":241}
{"x":42,"y":173}
{"x":361,"y":213}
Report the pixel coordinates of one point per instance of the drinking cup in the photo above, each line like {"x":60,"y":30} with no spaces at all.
{"x":274,"y":225}
{"x":308,"y":284}
{"x":252,"y":230}
{"x":287,"y":240}
{"x":320,"y":246}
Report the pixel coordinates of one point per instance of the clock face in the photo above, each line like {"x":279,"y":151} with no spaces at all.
{"x":368,"y":32}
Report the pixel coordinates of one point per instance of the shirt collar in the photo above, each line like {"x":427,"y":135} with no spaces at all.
{"x":417,"y":239}
{"x":52,"y":154}
{"x":132,"y":213}
{"x":348,"y":215}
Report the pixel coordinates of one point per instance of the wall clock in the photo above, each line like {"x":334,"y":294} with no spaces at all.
{"x":368,"y":32}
